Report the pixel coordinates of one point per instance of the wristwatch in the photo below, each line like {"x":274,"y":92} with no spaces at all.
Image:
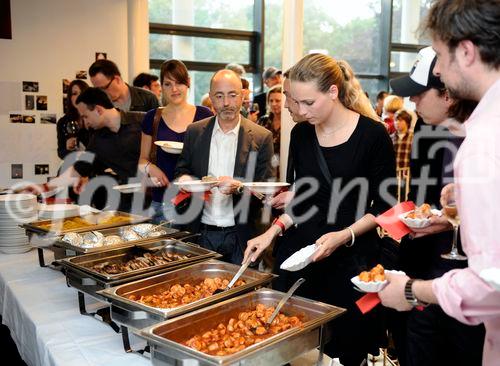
{"x":239,"y":190}
{"x":410,"y":296}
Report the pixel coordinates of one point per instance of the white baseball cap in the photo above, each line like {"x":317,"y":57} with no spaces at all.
{"x":420,"y":78}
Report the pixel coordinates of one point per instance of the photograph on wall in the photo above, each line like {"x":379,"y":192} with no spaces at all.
{"x":82,"y":74}
{"x":48,"y":118}
{"x":15,"y":118}
{"x":29,"y":102}
{"x":30,"y":86}
{"x":29,"y":118}
{"x":65,"y":86}
{"x":101,"y":56}
{"x":65,"y":104}
{"x":41,"y":102}
{"x":16,"y":171}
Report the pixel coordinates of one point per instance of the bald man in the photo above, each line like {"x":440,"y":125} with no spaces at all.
{"x":233,"y":149}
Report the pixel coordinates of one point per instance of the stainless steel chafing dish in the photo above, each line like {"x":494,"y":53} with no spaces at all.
{"x":81,"y":276}
{"x":165,"y":338}
{"x":76,"y":250}
{"x":137,"y":315}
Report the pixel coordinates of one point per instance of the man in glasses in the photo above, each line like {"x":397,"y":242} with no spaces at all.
{"x":104,"y":74}
{"x":230,"y":148}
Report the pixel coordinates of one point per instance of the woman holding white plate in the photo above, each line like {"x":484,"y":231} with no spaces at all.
{"x":344,"y":153}
{"x":167,"y":124}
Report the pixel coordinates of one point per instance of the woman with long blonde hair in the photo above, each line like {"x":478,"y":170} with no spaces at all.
{"x":346,"y":150}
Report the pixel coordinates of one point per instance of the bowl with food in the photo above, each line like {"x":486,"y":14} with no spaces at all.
{"x":419,"y":217}
{"x":373,"y":280}
{"x":171,"y":147}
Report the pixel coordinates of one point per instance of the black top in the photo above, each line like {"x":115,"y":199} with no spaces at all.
{"x":433,"y":151}
{"x":63,"y":134}
{"x":119,"y":151}
{"x":261,"y":100}
{"x":142,"y":100}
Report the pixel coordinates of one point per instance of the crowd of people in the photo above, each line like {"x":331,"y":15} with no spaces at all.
{"x":344,"y":153}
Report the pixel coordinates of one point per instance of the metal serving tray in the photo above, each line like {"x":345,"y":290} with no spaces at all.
{"x":36,"y":226}
{"x":86,"y":261}
{"x":136,"y":315}
{"x":169,"y":233}
{"x":165,"y":338}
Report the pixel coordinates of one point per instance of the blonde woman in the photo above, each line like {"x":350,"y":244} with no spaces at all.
{"x":341,"y":142}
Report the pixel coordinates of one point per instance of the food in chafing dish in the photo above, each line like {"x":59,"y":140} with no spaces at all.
{"x":375,"y":274}
{"x":138,"y":262}
{"x":73,"y":223}
{"x":179,"y":294}
{"x":112,"y":240}
{"x":238,"y":333}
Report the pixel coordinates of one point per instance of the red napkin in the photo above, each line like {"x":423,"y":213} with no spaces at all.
{"x":392,"y":224}
{"x":368,"y":302}
{"x":181,"y":196}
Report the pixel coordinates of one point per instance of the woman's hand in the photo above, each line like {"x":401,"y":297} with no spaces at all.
{"x":157,"y":176}
{"x":257,"y":245}
{"x":281,"y":200}
{"x":438,"y":225}
{"x":329,"y":242}
{"x":447,"y":194}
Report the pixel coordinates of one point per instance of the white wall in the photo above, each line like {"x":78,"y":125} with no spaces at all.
{"x":51,"y":40}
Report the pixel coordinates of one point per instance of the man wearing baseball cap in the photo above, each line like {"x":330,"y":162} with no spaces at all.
{"x":432,"y":337}
{"x":271,"y":76}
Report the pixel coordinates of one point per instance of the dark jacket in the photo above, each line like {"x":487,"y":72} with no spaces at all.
{"x":142,"y":100}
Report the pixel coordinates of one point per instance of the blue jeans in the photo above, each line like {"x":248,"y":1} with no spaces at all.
{"x":162,"y":212}
{"x":224,"y":242}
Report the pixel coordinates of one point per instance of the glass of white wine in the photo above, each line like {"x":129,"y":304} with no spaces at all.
{"x":451,"y":213}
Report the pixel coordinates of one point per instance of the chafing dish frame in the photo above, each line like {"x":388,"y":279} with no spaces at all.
{"x":278,"y":349}
{"x":135,"y":315}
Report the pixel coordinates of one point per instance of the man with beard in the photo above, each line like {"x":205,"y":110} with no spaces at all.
{"x":466,"y":38}
{"x":230,"y":148}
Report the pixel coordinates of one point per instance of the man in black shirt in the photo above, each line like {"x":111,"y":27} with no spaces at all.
{"x":104,"y":74}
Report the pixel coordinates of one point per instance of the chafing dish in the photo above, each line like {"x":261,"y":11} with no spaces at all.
{"x":137,"y":315}
{"x":96,"y":221}
{"x":165,"y":338}
{"x":76,"y":250}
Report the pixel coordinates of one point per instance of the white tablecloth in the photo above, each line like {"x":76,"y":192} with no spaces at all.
{"x":46,"y":325}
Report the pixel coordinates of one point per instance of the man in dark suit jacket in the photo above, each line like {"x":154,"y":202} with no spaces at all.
{"x":233,"y":149}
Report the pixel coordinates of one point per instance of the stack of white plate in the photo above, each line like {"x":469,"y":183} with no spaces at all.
{"x":16,"y":209}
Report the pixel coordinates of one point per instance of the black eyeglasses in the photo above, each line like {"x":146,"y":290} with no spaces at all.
{"x":107,"y":85}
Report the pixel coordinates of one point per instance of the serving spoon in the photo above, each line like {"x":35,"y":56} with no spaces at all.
{"x":283,"y":300}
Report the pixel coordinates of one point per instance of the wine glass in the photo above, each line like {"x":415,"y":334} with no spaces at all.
{"x":72,"y":129}
{"x":451,"y":213}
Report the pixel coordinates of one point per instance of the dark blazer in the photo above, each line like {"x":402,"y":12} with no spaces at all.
{"x":142,"y":100}
{"x":251,"y":138}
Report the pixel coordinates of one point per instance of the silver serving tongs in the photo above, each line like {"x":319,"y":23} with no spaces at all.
{"x":283,"y":300}
{"x":238,"y":274}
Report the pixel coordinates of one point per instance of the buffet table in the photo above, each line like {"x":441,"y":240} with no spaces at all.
{"x":47,"y":327}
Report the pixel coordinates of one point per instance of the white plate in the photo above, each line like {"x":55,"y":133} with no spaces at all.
{"x":172,"y":147}
{"x":58,"y":211}
{"x":373,"y":286}
{"x":300,"y":259}
{"x":129,"y":188}
{"x":492,"y":276}
{"x":196,"y":185}
{"x":266,"y":187}
{"x":417,"y":223}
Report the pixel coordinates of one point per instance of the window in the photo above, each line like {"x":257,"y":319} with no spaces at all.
{"x":406,"y":18}
{"x":273,"y":33}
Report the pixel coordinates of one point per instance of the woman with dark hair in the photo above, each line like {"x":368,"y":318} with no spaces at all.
{"x":167,"y":123}
{"x":71,"y":131}
{"x":272,"y":120}
{"x":340,"y":157}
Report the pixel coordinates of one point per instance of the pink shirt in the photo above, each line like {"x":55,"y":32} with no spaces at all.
{"x":462,"y":293}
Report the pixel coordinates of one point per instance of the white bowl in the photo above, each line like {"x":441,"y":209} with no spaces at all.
{"x":58,"y":211}
{"x":372,"y":286}
{"x":128,"y":188}
{"x":266,"y":187}
{"x":300,"y":259}
{"x":417,"y":223}
{"x":172,"y":147}
{"x":195,"y":186}
{"x":492,"y":277}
